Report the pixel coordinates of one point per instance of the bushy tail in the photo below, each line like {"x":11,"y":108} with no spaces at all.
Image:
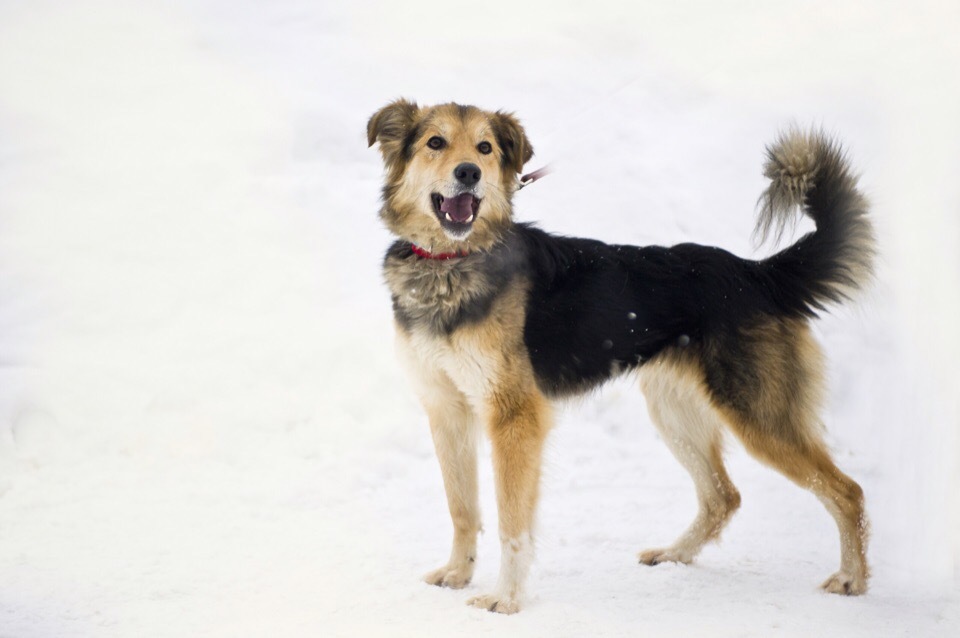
{"x":809,"y":171}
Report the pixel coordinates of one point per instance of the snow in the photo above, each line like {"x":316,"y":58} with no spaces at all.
{"x":204,"y":430}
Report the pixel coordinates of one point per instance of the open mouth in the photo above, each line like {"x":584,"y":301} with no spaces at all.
{"x":456,"y":214}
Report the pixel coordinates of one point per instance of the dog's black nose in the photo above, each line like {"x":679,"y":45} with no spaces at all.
{"x":467,"y":174}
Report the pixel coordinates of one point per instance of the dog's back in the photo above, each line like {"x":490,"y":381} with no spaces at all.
{"x":596,"y":310}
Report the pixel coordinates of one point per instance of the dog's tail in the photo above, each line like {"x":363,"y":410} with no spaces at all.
{"x":809,"y":170}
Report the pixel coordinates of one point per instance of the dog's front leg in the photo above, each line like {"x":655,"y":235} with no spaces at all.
{"x":518,"y":422}
{"x":454,"y":427}
{"x":454,"y":431}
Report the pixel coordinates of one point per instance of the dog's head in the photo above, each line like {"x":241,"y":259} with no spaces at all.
{"x":451,"y":172}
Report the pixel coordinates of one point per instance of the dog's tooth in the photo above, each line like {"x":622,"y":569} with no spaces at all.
{"x":469,"y":219}
{"x":449,"y":219}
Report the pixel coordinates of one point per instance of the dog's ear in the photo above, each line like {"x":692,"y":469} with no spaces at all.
{"x":391,"y":126}
{"x":513,"y":141}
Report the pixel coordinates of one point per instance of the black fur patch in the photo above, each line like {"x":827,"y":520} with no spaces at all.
{"x":596,"y":310}
{"x":410,"y":138}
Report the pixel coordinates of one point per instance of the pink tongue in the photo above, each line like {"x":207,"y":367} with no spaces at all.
{"x":459,"y":208}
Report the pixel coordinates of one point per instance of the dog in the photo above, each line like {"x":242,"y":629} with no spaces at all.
{"x":495,"y":319}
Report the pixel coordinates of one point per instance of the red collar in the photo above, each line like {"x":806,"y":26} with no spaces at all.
{"x":420,"y":252}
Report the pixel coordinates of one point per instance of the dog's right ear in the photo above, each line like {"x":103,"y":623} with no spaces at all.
{"x":390,"y":126}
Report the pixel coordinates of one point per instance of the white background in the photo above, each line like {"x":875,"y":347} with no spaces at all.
{"x":203,"y":428}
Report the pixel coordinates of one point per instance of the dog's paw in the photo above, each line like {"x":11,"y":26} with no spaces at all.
{"x":846,"y":584}
{"x":664,"y":555}
{"x":493,"y":602}
{"x":454,"y":577}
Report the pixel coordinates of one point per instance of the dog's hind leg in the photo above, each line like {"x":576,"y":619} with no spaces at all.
{"x":768,"y":386}
{"x":690,"y":426}
{"x":809,"y":465}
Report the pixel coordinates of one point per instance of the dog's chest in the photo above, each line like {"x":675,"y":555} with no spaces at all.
{"x":440,"y":296}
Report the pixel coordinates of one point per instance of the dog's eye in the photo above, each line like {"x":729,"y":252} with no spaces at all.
{"x":485,"y":148}
{"x":436,"y":143}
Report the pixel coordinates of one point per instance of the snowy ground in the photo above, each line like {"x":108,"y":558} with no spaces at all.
{"x":203,"y":430}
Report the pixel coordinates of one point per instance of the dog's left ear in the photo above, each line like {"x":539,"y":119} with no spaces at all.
{"x":390,"y":126}
{"x":517,"y":149}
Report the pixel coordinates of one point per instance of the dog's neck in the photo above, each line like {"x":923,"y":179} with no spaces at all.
{"x":425,"y":254}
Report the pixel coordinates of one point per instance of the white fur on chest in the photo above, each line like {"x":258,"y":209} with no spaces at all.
{"x":460,"y":357}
